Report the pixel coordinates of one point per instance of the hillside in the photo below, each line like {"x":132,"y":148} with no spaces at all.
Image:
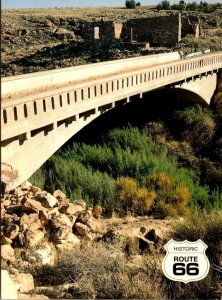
{"x":37,"y":39}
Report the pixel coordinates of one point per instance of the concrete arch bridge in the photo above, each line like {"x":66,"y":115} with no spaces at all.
{"x":41,"y":111}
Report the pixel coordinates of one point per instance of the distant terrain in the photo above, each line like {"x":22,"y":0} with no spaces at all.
{"x":33,"y":39}
{"x":93,"y":220}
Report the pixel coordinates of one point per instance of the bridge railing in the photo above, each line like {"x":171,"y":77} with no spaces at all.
{"x":27,"y":114}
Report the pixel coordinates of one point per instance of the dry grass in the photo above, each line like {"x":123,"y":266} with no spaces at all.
{"x":103,"y":272}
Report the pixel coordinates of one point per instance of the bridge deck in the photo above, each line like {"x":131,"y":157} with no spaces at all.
{"x":37,"y":124}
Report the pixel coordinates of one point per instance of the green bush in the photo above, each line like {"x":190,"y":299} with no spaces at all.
{"x":90,"y":171}
{"x":198,"y":126}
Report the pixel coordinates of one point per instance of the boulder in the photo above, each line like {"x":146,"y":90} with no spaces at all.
{"x":152,"y":236}
{"x":59,"y":291}
{"x":30,"y":205}
{"x":5,"y":240}
{"x":47,"y":200}
{"x":71,"y":242}
{"x":136,"y":245}
{"x":60,"y":234}
{"x":60,"y":221}
{"x":7,"y":253}
{"x":44,"y":217}
{"x":47,"y":254}
{"x":110,"y":236}
{"x":32,"y":296}
{"x":59,"y":195}
{"x":97,"y":211}
{"x":32,"y":221}
{"x":33,"y":237}
{"x":80,"y":202}
{"x":23,"y":281}
{"x":88,"y":238}
{"x":86,"y":217}
{"x":71,"y":209}
{"x":8,"y":288}
{"x":11,"y":231}
{"x":35,"y":189}
{"x":72,"y":219}
{"x":42,"y":254}
{"x":81,"y":229}
{"x":14,"y":209}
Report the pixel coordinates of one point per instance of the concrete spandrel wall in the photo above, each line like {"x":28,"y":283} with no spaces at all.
{"x":47,"y":79}
{"x":204,"y":87}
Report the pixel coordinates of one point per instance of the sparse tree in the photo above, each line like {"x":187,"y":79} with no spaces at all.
{"x":191,"y":6}
{"x":182,"y":5}
{"x":165,"y":5}
{"x":130,"y":4}
{"x":138,"y":4}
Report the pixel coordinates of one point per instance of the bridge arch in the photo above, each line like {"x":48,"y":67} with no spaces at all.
{"x":41,"y":111}
{"x":200,"y":88}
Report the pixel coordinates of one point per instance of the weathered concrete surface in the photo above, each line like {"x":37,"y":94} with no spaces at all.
{"x":41,"y":81}
{"x":204,"y":87}
{"x":217,"y":100}
{"x":36,"y":125}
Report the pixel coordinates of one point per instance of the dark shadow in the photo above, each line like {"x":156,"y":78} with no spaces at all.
{"x":154,"y":106}
{"x":184,"y":95}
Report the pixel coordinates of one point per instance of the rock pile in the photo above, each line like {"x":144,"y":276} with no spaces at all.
{"x":36,"y":225}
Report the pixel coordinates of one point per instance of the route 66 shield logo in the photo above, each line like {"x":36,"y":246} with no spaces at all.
{"x":185,"y":261}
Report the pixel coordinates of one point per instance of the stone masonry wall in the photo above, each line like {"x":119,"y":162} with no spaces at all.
{"x":158,"y":31}
{"x":190,"y":25}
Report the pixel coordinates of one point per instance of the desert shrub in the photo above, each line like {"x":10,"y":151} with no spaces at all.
{"x":211,"y":173}
{"x":208,"y":228}
{"x":202,"y":123}
{"x":172,"y":198}
{"x":134,"y":198}
{"x":101,"y":273}
{"x":158,"y":131}
{"x":189,"y":43}
{"x":204,"y":226}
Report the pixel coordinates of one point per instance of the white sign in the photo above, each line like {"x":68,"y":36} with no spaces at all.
{"x":185,"y":261}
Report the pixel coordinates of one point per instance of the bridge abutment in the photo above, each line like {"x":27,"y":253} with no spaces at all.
{"x":217,"y":99}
